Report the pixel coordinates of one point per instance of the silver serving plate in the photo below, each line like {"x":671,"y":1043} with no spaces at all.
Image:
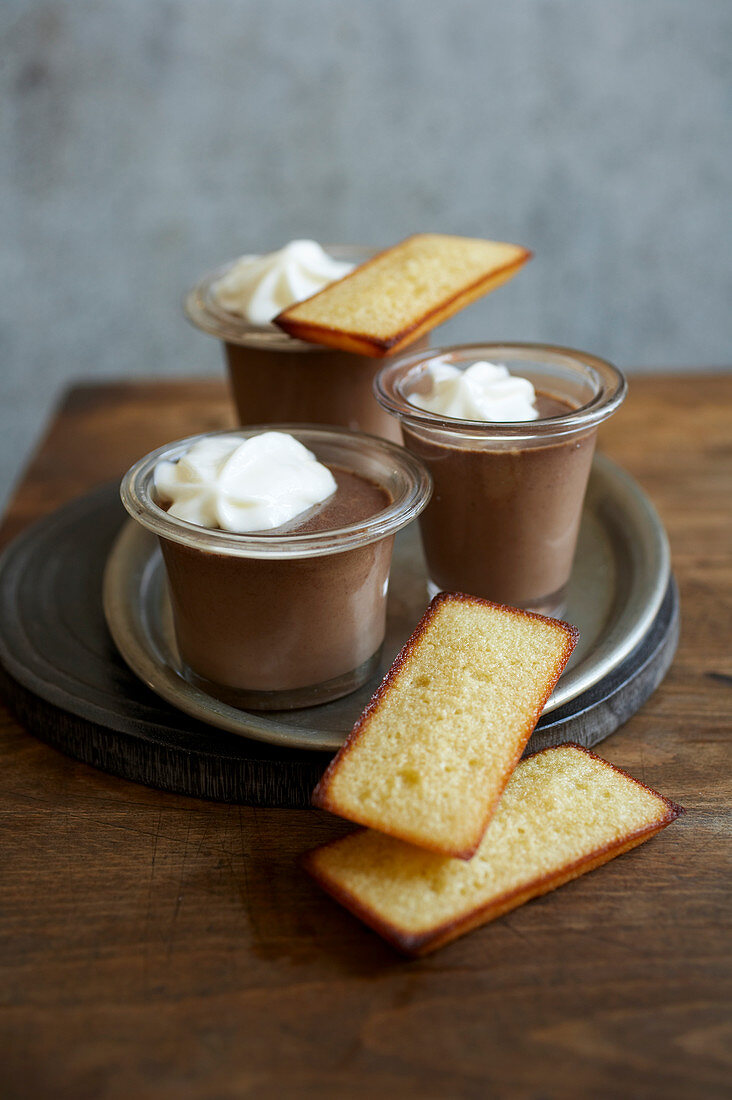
{"x":621,"y":572}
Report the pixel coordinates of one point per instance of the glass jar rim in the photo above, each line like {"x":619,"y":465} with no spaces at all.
{"x":610,"y":383}
{"x":203,"y":311}
{"x":137,"y":494}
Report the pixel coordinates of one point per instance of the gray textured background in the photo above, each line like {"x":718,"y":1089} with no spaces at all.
{"x":146,"y":141}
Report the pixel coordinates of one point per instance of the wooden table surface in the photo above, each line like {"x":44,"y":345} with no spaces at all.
{"x":158,"y":946}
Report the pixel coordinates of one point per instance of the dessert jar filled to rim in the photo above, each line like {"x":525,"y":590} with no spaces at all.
{"x":507,"y":501}
{"x":280,"y":620}
{"x":275,"y":377}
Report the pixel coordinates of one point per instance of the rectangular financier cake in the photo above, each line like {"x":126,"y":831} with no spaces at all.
{"x":565,"y":811}
{"x":403,"y":292}
{"x":428,"y":759}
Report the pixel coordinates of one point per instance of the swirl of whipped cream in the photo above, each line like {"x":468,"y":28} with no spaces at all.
{"x":260,"y":287}
{"x":484,"y":391}
{"x":242,"y":485}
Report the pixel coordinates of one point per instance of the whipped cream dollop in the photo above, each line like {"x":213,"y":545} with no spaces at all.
{"x":242,"y":485}
{"x":260,"y":287}
{"x":484,"y":391}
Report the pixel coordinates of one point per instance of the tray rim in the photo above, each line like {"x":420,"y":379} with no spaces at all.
{"x":168,"y":684}
{"x":238,"y":778}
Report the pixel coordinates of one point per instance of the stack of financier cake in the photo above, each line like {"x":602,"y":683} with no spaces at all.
{"x":459,"y":832}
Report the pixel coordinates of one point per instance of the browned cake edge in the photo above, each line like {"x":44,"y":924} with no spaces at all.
{"x":365,"y":344}
{"x":321,"y":796}
{"x":425,"y":942}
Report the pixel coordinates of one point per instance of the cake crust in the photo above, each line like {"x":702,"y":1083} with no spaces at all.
{"x":312,"y":320}
{"x":417,"y":944}
{"x":323,"y":796}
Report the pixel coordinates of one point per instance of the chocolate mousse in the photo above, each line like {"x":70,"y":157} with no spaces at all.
{"x":259,"y":625}
{"x":277,"y":547}
{"x":304,"y":383}
{"x":275,"y":378}
{"x":505,"y":527}
{"x":356,"y":498}
{"x":508,"y":433}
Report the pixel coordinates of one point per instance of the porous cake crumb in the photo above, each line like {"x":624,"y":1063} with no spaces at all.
{"x":402,"y":292}
{"x":564,"y":812}
{"x":428,"y":759}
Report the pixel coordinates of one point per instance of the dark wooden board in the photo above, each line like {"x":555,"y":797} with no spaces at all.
{"x":64,"y":679}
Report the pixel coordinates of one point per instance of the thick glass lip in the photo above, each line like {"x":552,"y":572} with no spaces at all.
{"x":203,"y":311}
{"x":608,"y":383}
{"x":355,"y":450}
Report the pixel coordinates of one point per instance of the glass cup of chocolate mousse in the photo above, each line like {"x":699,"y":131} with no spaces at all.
{"x":277,"y":544}
{"x":273,"y":376}
{"x":508,"y":432}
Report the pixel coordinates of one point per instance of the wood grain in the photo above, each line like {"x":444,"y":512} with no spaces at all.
{"x":157,"y":946}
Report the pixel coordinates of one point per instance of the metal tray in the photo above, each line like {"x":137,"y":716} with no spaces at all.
{"x":621,"y":572}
